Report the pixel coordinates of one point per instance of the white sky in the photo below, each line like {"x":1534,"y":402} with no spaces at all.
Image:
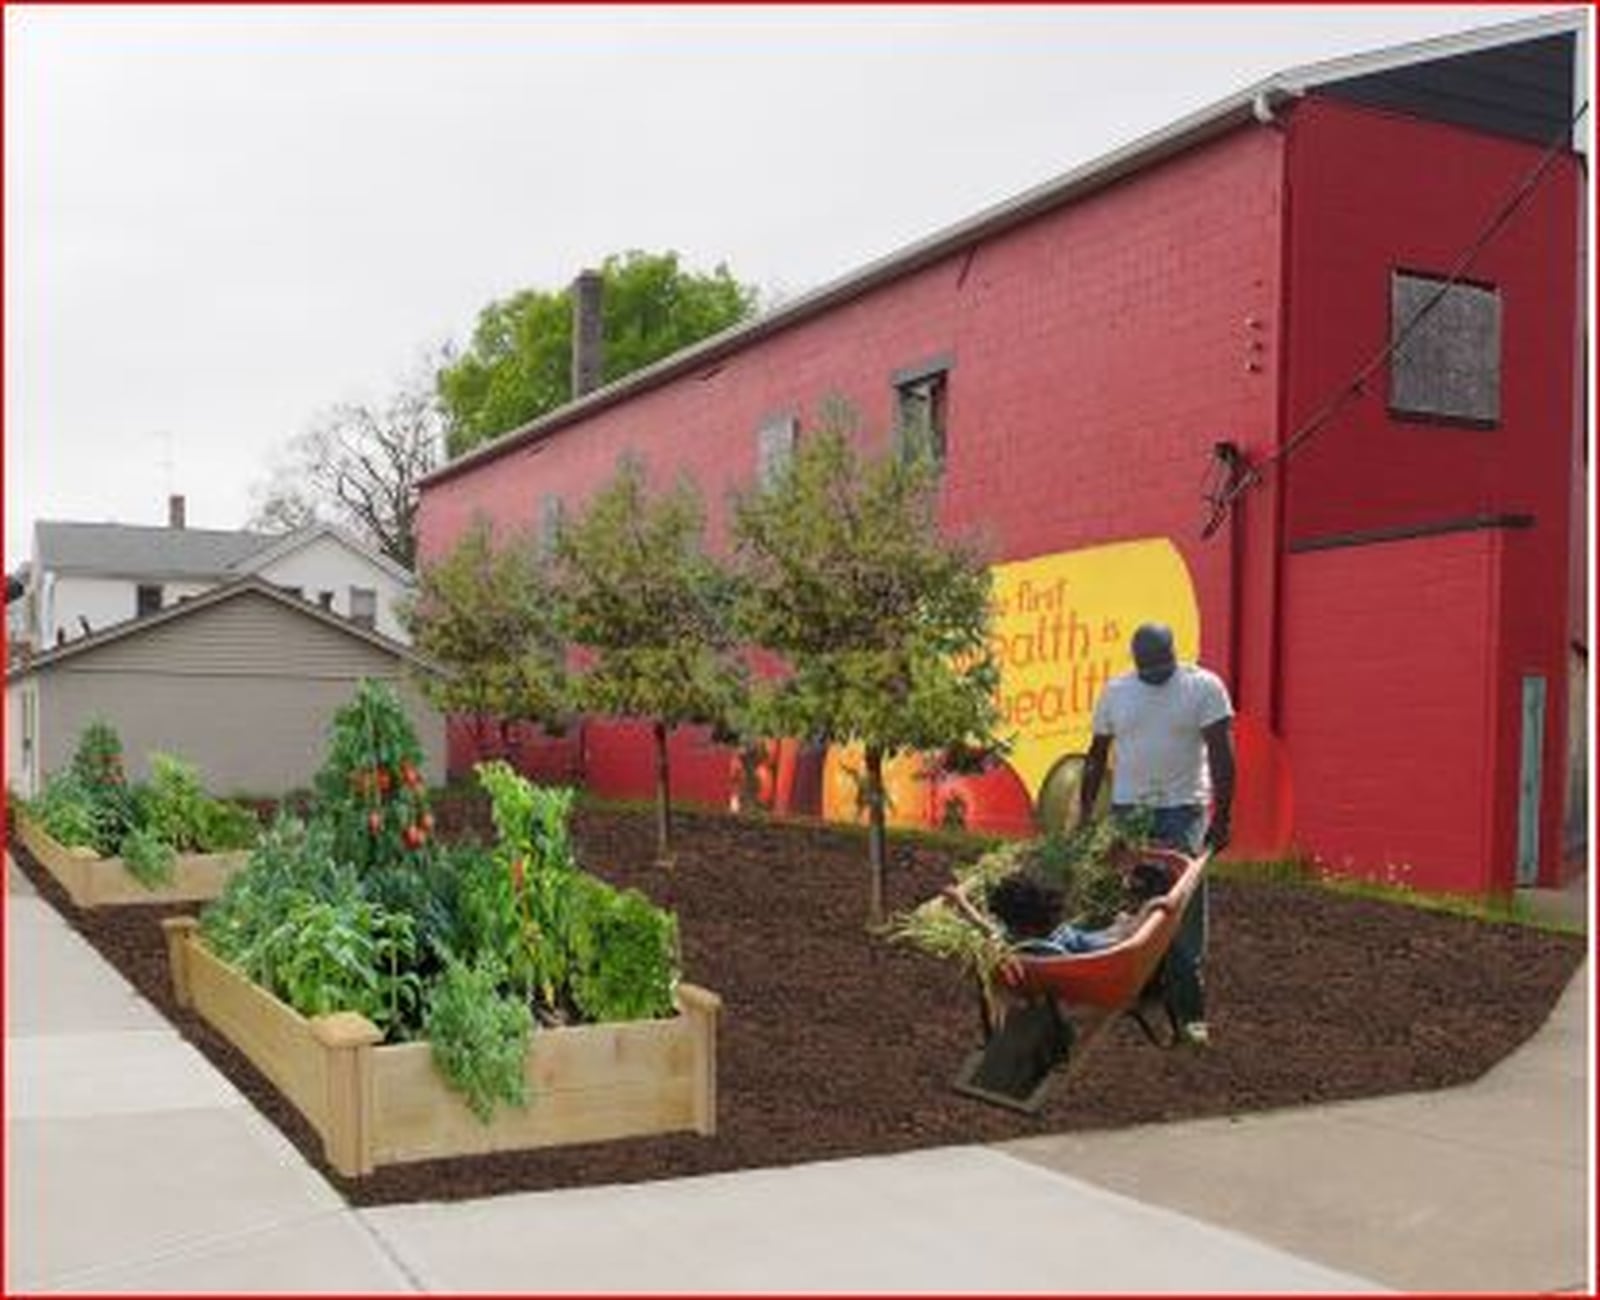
{"x":220,"y":221}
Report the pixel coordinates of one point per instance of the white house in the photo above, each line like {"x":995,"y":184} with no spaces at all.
{"x":84,"y":578}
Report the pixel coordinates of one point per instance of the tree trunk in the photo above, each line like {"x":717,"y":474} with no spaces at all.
{"x":877,"y":836}
{"x":663,"y":800}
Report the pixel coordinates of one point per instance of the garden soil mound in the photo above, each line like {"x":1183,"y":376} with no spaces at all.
{"x":835,"y":1043}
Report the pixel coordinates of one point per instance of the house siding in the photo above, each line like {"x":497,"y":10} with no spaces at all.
{"x":246,"y":689}
{"x":327,"y":564}
{"x":251,"y":635}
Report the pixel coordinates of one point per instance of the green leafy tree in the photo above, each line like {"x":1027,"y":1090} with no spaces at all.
{"x":651,"y":610}
{"x":519,"y":365}
{"x":882,"y":620}
{"x":489,"y":616}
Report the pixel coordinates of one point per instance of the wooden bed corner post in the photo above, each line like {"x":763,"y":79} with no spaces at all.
{"x":701,"y":1009}
{"x":179,"y":930}
{"x":349,"y":1039}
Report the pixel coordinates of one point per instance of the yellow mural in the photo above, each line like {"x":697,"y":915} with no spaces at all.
{"x":1060,"y":632}
{"x":1061,"y":629}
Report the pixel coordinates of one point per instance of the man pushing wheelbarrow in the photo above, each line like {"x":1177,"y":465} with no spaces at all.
{"x":1171,"y":725}
{"x":1051,"y":986}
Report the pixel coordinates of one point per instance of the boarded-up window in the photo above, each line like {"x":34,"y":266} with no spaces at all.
{"x":775,"y":441}
{"x":920,"y":425}
{"x":1447,"y":367}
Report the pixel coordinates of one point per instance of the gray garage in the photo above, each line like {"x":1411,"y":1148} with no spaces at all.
{"x":242,"y":680}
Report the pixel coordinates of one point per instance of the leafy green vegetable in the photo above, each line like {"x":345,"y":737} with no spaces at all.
{"x":68,"y":811}
{"x":625,"y":954}
{"x":148,"y":858}
{"x":479,"y":1037}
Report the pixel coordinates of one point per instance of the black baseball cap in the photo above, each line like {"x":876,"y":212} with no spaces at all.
{"x":1153,"y":655}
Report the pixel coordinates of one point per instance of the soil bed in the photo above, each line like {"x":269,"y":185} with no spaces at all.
{"x":834,"y":1043}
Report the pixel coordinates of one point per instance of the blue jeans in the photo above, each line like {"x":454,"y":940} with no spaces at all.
{"x":1183,"y":827}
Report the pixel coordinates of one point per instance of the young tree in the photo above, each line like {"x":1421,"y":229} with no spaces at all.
{"x":359,"y":465}
{"x":882,"y":620}
{"x":489,"y":616}
{"x":519,"y":365}
{"x":650,"y":608}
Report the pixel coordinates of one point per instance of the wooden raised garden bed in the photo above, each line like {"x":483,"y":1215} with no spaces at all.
{"x":93,"y":881}
{"x":377,"y":1105}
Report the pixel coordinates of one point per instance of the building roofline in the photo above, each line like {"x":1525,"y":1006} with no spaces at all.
{"x":300,"y":538}
{"x":205,"y":600}
{"x":133,"y":575}
{"x":1253,"y":103}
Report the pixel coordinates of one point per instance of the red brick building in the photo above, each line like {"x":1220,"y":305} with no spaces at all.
{"x":1397,"y":592}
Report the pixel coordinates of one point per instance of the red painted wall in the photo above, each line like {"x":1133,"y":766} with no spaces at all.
{"x":1392,"y":751}
{"x":1369,"y":193}
{"x":1098,"y":352}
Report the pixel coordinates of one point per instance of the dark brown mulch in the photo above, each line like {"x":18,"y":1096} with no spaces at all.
{"x":836,"y":1044}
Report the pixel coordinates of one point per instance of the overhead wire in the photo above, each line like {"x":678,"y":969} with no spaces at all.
{"x":1248,"y":475}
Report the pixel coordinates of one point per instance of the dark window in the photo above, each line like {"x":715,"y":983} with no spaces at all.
{"x":920,"y":428}
{"x":775,"y":441}
{"x":552,"y":510}
{"x":148,"y":599}
{"x":364,"y":607}
{"x":325,"y":599}
{"x":299,"y":593}
{"x":1448,"y":365}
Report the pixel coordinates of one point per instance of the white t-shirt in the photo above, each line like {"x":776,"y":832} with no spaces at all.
{"x":1159,"y":755}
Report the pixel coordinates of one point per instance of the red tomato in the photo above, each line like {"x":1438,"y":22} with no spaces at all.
{"x":374,"y":822}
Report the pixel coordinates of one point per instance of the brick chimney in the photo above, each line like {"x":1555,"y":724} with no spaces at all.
{"x":175,"y":511}
{"x":588,"y":342}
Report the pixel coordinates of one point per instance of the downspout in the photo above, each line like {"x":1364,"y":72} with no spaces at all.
{"x":1280,"y":486}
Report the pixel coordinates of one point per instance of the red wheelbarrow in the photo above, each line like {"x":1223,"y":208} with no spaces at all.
{"x":1060,"y":1004}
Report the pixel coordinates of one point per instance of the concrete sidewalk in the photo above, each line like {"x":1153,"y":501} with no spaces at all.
{"x":133,"y":1166}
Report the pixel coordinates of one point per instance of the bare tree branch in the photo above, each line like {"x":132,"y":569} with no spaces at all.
{"x":359,"y":466}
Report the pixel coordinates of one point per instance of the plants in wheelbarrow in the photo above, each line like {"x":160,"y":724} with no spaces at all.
{"x":1084,"y":864}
